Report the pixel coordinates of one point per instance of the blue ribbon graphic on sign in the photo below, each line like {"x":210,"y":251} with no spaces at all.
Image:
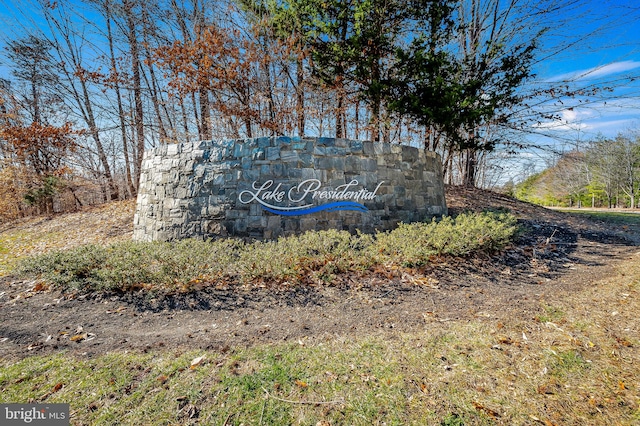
{"x":340,"y":205}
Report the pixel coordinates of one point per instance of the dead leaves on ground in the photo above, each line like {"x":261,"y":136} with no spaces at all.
{"x":301,"y":384}
{"x":78,"y":335}
{"x":57,"y":387}
{"x":420,"y":281}
{"x":544,"y":422}
{"x":197,"y":361}
{"x":82,"y":337}
{"x":488,"y":411}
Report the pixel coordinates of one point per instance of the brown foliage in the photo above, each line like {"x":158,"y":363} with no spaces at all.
{"x":34,"y":167}
{"x":231,"y":67}
{"x":40,"y":147}
{"x":12,"y":189}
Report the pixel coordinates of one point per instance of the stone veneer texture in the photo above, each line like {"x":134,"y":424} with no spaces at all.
{"x":217,"y":188}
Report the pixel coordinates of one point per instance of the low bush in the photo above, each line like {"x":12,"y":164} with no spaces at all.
{"x":313,"y":257}
{"x":413,"y":244}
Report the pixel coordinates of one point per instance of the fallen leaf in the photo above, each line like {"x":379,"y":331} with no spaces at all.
{"x":488,"y":411}
{"x":197,"y":361}
{"x":420,"y":281}
{"x":78,"y":337}
{"x":40,"y":287}
{"x":624,"y":342}
{"x":545,"y":422}
{"x":505,"y":340}
{"x":546,"y":390}
{"x":301,"y":384}
{"x":53,"y":390}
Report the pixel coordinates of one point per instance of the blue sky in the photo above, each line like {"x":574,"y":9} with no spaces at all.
{"x":609,"y":58}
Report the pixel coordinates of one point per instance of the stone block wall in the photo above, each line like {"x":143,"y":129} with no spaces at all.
{"x":269,"y":187}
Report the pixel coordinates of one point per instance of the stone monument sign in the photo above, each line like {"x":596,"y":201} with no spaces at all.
{"x":276,"y":186}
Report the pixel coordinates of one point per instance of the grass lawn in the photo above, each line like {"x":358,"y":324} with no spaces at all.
{"x":618,"y":217}
{"x":627,"y":222}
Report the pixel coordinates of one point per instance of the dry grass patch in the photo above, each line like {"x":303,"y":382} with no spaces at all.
{"x":104,"y":224}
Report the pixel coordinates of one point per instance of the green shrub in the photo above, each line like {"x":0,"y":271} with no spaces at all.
{"x":313,"y":257}
{"x":413,"y":244}
{"x":68,"y":268}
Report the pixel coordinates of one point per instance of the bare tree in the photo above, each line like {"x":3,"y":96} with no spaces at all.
{"x":114,"y":81}
{"x":76,"y":78}
{"x":129,"y":9}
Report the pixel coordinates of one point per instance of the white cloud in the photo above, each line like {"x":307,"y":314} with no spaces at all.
{"x":560,"y":126}
{"x":597,"y":72}
{"x":611,"y":127}
{"x":569,"y":115}
{"x":570,"y":119}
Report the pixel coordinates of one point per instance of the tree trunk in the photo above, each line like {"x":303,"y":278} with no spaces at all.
{"x":82,"y":98}
{"x":36,"y":103}
{"x":375,"y":105}
{"x":339,"y":115}
{"x":447,"y":165}
{"x":386,"y":129}
{"x":205,"y":114}
{"x":247,"y":125}
{"x":357,"y":120}
{"x":195,"y":114}
{"x":186,"y":37}
{"x":113,"y":188}
{"x":300,"y":95}
{"x":153,"y":90}
{"x":470,"y":169}
{"x":185,"y":122}
{"x":153,"y":86}
{"x":269,"y":90}
{"x":137,"y":87}
{"x":131,"y":189}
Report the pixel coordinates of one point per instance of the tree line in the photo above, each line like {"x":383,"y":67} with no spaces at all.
{"x":603,"y":173}
{"x":96,"y":82}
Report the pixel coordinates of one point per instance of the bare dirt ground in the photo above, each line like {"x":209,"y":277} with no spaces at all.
{"x":556,"y":255}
